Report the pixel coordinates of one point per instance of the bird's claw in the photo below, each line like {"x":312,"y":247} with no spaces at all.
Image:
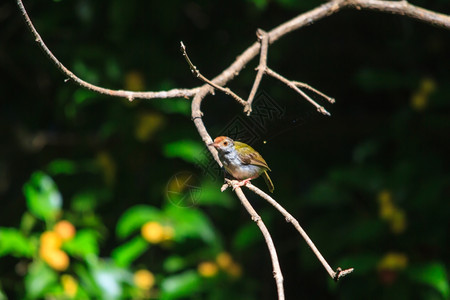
{"x":234,"y":183}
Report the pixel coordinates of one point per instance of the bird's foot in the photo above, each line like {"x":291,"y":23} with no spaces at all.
{"x":234,"y":183}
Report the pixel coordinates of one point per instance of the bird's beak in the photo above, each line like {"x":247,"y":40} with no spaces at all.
{"x":214,"y":145}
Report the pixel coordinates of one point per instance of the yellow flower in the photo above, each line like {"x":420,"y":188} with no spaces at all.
{"x":144,"y":279}
{"x":152,"y":232}
{"x":419,"y":101}
{"x":147,"y":125}
{"x":224,"y":260}
{"x":65,"y":230}
{"x":134,"y":81}
{"x":428,"y":85}
{"x":393,"y":261}
{"x":207,"y":269}
{"x":234,"y":270}
{"x":69,"y":284}
{"x":398,"y":221}
{"x":385,"y":204}
{"x":108,"y":166}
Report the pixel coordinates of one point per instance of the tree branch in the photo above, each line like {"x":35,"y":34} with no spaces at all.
{"x":197,"y":73}
{"x":293,"y":85}
{"x":263,"y":37}
{"x":270,"y":245}
{"x":336,"y":275}
{"x":130,"y":95}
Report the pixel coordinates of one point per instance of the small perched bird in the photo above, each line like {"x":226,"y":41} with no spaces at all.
{"x":241,"y":161}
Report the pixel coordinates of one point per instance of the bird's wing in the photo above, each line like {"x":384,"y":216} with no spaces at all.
{"x":249,"y":156}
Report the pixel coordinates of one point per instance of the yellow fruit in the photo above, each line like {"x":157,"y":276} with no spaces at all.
{"x":224,"y":260}
{"x":234,"y":270}
{"x":50,"y":239}
{"x":65,"y":230}
{"x":393,"y":261}
{"x":55,"y":258}
{"x":207,"y":269}
{"x":398,"y":221}
{"x":69,"y":284}
{"x":144,"y":279}
{"x":152,"y":232}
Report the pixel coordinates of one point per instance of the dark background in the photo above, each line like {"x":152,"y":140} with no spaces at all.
{"x":388,"y":134}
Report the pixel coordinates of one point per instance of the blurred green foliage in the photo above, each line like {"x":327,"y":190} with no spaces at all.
{"x":104,"y":198}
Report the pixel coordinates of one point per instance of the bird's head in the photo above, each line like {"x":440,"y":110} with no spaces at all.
{"x":223,"y":144}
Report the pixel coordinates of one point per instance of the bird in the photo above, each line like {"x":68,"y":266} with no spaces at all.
{"x":242,"y":161}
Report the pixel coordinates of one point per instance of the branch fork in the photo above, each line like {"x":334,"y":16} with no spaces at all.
{"x":262,"y":69}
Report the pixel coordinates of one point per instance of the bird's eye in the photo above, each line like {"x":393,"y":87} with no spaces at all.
{"x":225,"y":143}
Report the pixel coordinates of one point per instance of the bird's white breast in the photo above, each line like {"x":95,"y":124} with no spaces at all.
{"x":237,"y":169}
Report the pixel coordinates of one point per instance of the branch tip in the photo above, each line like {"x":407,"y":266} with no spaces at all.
{"x":341,"y":273}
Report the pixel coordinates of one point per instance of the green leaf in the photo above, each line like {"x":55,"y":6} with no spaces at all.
{"x":246,"y":236}
{"x":190,"y":223}
{"x":188,"y":150}
{"x":87,"y":280}
{"x":39,"y":280}
{"x":83,"y":244}
{"x":42,"y":195}
{"x":210,"y":194}
{"x":13,"y":242}
{"x":174,"y":263}
{"x":62,"y":166}
{"x":134,"y":218}
{"x":432,"y":274}
{"x":84,"y":201}
{"x":373,"y":80}
{"x":174,"y":106}
{"x":181,"y":285}
{"x":260,"y":4}
{"x":125,"y":254}
{"x":2,"y":295}
{"x":110,"y":279}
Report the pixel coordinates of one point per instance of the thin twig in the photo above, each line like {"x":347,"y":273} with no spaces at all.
{"x":307,"y":86}
{"x":197,"y":73}
{"x":130,"y":95}
{"x":264,"y":40}
{"x":293,"y":86}
{"x":270,"y":245}
{"x":289,"y":218}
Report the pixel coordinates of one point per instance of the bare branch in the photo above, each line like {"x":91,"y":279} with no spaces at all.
{"x":264,"y":39}
{"x":197,"y":73}
{"x":289,"y":218}
{"x":293,"y":85}
{"x":314,"y":15}
{"x":402,"y":8}
{"x":130,"y":95}
{"x":307,"y":86}
{"x":273,"y":252}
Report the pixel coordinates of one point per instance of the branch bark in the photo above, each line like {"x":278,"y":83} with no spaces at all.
{"x":270,"y":245}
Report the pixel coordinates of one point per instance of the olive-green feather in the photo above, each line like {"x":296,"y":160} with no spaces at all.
{"x":249,"y":156}
{"x":268,"y":181}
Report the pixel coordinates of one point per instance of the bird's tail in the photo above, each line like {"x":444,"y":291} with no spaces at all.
{"x":268,"y":181}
